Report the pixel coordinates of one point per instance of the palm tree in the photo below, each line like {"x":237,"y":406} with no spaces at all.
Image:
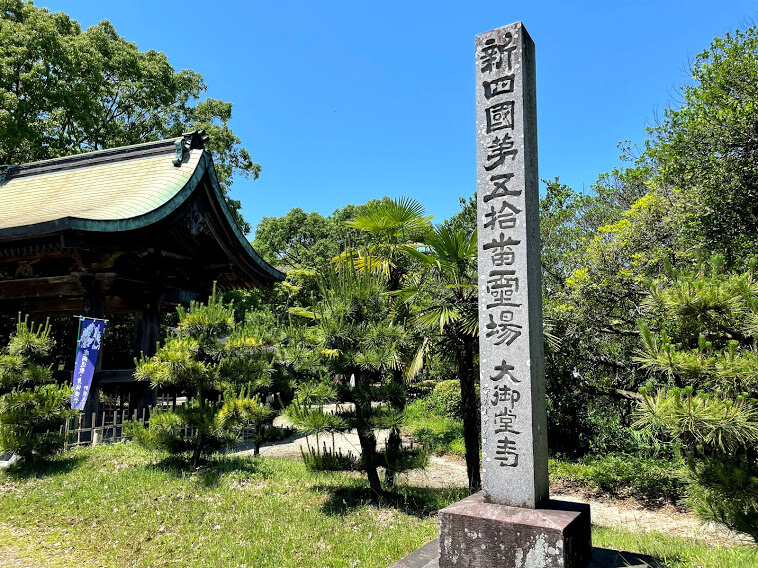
{"x":398,"y":227}
{"x":446,"y":301}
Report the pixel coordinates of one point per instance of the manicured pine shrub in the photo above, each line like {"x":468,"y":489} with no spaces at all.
{"x":33,"y":409}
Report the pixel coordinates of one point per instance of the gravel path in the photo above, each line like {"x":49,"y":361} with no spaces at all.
{"x":450,"y":472}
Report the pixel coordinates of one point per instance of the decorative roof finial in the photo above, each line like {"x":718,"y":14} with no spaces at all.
{"x":4,"y":170}
{"x":189,"y":141}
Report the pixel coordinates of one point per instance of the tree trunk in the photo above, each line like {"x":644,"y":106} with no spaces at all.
{"x":470,"y":411}
{"x":368,"y":451}
{"x":393,"y":448}
{"x":200,"y":440}
{"x":366,"y":436}
{"x":392,"y":455}
{"x":196,"y":454}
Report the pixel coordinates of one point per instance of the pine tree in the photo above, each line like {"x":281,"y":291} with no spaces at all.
{"x":227,"y":366}
{"x":33,"y":409}
{"x":352,"y":341}
{"x":701,"y":346}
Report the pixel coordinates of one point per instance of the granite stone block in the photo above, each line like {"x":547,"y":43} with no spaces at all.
{"x":478,"y":534}
{"x":511,"y":352}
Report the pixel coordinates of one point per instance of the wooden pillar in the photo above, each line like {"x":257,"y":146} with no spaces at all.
{"x":147,"y":330}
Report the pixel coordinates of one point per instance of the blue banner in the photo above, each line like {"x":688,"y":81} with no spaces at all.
{"x":88,"y":348}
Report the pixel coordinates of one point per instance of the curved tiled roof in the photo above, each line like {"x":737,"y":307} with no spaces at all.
{"x":93,"y":190}
{"x":119,"y":189}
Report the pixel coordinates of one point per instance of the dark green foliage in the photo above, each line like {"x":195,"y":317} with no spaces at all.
{"x":33,"y":409}
{"x":706,"y":146}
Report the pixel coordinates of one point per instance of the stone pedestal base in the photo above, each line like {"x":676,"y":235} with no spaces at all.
{"x":428,"y":556}
{"x":477,"y":534}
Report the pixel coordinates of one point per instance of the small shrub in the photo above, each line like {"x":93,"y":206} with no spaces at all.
{"x":406,"y":459}
{"x":624,"y":475}
{"x":279,"y":433}
{"x":211,"y":353}
{"x":326,"y":459}
{"x":33,"y":409}
{"x":445,"y":399}
{"x":436,"y":433}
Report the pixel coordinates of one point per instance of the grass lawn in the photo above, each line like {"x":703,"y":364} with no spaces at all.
{"x":119,"y":506}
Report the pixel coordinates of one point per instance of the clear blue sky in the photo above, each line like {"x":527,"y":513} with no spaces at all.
{"x":342,"y":102}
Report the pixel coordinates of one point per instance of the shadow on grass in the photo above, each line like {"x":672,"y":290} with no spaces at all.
{"x":44,"y":467}
{"x":609,"y":558}
{"x":417,"y":501}
{"x":212,"y":471}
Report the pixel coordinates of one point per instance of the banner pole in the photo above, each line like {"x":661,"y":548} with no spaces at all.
{"x":78,"y":332}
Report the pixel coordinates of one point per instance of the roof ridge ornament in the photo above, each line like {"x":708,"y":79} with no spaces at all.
{"x":189,"y":141}
{"x":4,"y":171}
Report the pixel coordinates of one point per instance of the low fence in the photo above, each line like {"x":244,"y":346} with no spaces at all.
{"x":108,"y":426}
{"x":103,"y":427}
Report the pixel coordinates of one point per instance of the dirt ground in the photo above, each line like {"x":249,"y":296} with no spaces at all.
{"x":451,"y":472}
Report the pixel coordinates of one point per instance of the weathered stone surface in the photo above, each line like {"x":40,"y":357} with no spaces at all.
{"x":428,"y":557}
{"x":511,"y":523}
{"x":478,"y":534}
{"x":514,"y":423}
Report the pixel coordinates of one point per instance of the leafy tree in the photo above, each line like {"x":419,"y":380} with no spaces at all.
{"x":211,"y":355}
{"x":33,"y":409}
{"x":301,"y":240}
{"x":598,"y":250}
{"x":65,"y":91}
{"x":699,"y":342}
{"x":598,"y":307}
{"x":692,"y":188}
{"x":465,"y":219}
{"x":706,"y":146}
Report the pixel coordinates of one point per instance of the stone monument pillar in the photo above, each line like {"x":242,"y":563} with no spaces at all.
{"x":512,"y":377}
{"x":512,"y":522}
